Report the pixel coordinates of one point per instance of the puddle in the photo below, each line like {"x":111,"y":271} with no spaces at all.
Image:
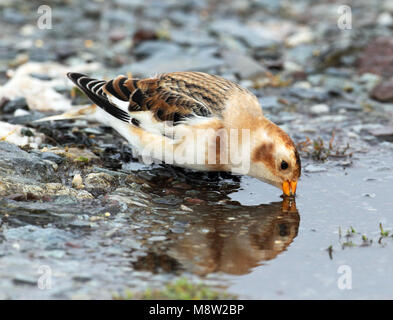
{"x":162,"y":222}
{"x":327,"y":202}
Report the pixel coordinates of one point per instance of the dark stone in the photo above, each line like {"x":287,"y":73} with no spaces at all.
{"x":309,"y":94}
{"x":11,"y":105}
{"x":383,"y":91}
{"x":43,"y":77}
{"x":385,"y":133}
{"x":52,"y":157}
{"x":377,"y":57}
{"x":21,"y":162}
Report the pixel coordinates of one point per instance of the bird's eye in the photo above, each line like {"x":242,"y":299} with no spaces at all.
{"x":284,"y":165}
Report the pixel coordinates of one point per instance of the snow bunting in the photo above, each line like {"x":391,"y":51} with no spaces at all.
{"x":194,"y":120}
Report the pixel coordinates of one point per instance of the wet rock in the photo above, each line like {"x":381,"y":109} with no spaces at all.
{"x":317,"y":94}
{"x":270,"y":102}
{"x":157,"y":238}
{"x":168,"y":200}
{"x":369,"y":80}
{"x":41,"y":76}
{"x":117,"y":35}
{"x":74,"y":154}
{"x":303,"y":35}
{"x":52,"y":157}
{"x":100,"y":180}
{"x":38,"y":190}
{"x":384,"y":91}
{"x":12,"y":16}
{"x":319,"y":109}
{"x":45,"y":238}
{"x":148,"y":48}
{"x":92,"y":10}
{"x":15,"y":161}
{"x":142,"y":35}
{"x":385,"y":19}
{"x":244,"y":66}
{"x":252,"y":37}
{"x":312,"y":168}
{"x":23,"y":280}
{"x":162,"y":61}
{"x":199,"y":38}
{"x":377,"y":57}
{"x":301,"y":54}
{"x":384,"y":133}
{"x":347,"y":106}
{"x":77,"y":182}
{"x":13,"y":105}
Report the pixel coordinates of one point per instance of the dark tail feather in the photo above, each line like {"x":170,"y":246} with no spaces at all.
{"x":93,"y":89}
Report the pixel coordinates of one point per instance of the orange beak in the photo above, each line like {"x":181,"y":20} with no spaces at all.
{"x":289,"y":187}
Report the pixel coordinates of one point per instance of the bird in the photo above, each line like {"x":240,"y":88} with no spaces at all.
{"x":193,"y":120}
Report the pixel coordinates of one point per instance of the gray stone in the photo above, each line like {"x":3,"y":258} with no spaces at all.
{"x":252,"y":38}
{"x":384,"y":91}
{"x":150,"y":48}
{"x":14,"y":160}
{"x":316,"y":94}
{"x":11,"y":106}
{"x":243,"y":65}
{"x":100,"y":180}
{"x":52,"y":157}
{"x":319,"y":109}
{"x":384,"y":133}
{"x":346,"y":106}
{"x":269,"y":102}
{"x":312,"y":168}
{"x":176,"y":60}
{"x":46,"y":238}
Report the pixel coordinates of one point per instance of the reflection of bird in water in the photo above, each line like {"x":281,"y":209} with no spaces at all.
{"x":231,"y":239}
{"x":193,"y":120}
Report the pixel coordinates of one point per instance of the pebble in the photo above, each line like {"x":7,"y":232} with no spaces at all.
{"x":383,"y":91}
{"x":369,"y":195}
{"x":157,"y":238}
{"x":77,"y":182}
{"x":244,"y":66}
{"x":346,"y":106}
{"x":100,"y":180}
{"x":185,"y":208}
{"x":52,"y":157}
{"x":317,"y":94}
{"x":384,"y":133}
{"x":312,"y":168}
{"x":12,"y":105}
{"x":319,"y":108}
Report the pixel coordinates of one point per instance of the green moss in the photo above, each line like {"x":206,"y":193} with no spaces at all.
{"x":181,"y":289}
{"x":82,"y":159}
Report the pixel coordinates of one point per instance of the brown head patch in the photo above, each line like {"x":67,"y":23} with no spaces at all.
{"x":298,"y":164}
{"x":264,"y":153}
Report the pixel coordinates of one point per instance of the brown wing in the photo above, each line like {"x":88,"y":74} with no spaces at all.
{"x":170,"y":97}
{"x":178,"y":95}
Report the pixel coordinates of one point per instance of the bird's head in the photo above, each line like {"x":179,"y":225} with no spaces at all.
{"x":274,"y":158}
